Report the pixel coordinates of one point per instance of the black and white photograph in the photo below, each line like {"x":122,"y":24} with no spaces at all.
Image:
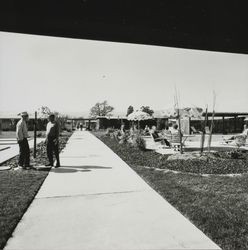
{"x":123,"y":126}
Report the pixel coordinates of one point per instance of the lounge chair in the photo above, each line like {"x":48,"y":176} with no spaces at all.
{"x":175,"y":141}
{"x":238,"y":141}
{"x":193,"y":129}
{"x":152,"y":144}
{"x":167,"y":136}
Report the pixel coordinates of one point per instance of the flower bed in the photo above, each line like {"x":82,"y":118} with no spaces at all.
{"x":223,"y":162}
{"x":212,"y":163}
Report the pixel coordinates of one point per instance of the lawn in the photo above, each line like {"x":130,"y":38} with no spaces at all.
{"x":216,"y":204}
{"x":18,"y":189}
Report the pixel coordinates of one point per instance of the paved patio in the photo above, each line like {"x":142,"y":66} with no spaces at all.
{"x":96,"y":201}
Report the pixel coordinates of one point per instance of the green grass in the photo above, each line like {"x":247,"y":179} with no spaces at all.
{"x":18,"y":189}
{"x":216,"y":204}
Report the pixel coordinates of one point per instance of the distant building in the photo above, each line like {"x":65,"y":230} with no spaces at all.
{"x":224,"y":122}
{"x":8,"y":122}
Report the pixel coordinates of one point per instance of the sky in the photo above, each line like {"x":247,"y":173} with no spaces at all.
{"x":71,"y":75}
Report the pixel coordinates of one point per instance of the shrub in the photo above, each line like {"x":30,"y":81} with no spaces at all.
{"x":236,"y":154}
{"x":109,"y":131}
{"x":124,"y":138}
{"x":140,"y":142}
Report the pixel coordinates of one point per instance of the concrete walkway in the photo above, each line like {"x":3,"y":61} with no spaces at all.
{"x":96,"y":201}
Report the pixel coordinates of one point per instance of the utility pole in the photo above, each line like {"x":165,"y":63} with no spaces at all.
{"x":35,"y":132}
{"x":179,"y":122}
{"x":212,"y":123}
{"x":203,"y":130}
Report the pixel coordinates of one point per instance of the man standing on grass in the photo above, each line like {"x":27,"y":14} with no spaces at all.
{"x":52,"y":140}
{"x":22,"y":135}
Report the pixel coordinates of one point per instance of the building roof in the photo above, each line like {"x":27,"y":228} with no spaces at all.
{"x":227,"y":114}
{"x":113,"y":117}
{"x":185,"y":24}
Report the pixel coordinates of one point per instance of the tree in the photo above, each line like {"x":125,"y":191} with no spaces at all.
{"x":101,"y":109}
{"x":44,"y":112}
{"x":61,"y":119}
{"x":147,"y":109}
{"x":129,"y":110}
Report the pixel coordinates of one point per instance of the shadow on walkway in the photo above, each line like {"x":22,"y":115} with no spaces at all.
{"x":74,"y":169}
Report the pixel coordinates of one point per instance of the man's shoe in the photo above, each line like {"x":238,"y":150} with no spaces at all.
{"x":49,"y":165}
{"x":18,"y":167}
{"x":57,"y":166}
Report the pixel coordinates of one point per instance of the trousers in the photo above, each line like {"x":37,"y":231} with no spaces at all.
{"x":52,"y":148}
{"x":24,"y":156}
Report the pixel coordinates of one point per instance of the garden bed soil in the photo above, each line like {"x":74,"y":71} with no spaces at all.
{"x":223,"y":162}
{"x":41,"y":155}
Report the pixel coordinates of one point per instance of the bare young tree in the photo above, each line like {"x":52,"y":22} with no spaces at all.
{"x":212,"y":122}
{"x":44,"y":112}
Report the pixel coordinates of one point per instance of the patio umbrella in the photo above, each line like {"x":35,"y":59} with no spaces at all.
{"x":139,"y":116}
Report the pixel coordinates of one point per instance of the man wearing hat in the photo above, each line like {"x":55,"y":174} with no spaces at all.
{"x":22,"y":135}
{"x":52,"y":139}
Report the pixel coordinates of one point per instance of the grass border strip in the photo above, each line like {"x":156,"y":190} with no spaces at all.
{"x":166,"y":170}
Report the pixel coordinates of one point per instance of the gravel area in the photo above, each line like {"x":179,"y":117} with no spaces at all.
{"x":41,"y":155}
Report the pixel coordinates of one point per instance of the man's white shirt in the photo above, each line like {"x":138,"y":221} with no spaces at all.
{"x":21,"y":130}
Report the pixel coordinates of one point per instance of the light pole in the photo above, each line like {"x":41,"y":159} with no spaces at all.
{"x":35,"y":132}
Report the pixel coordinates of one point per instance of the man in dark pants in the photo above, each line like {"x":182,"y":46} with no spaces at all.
{"x":22,"y":135}
{"x":52,"y":139}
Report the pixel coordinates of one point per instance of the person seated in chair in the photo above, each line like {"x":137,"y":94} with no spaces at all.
{"x":170,"y":126}
{"x":176,"y":133}
{"x":146,"y":130}
{"x":166,"y":133}
{"x":157,"y":138}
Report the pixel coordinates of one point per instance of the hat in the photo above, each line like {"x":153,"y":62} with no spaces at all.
{"x":23,"y":113}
